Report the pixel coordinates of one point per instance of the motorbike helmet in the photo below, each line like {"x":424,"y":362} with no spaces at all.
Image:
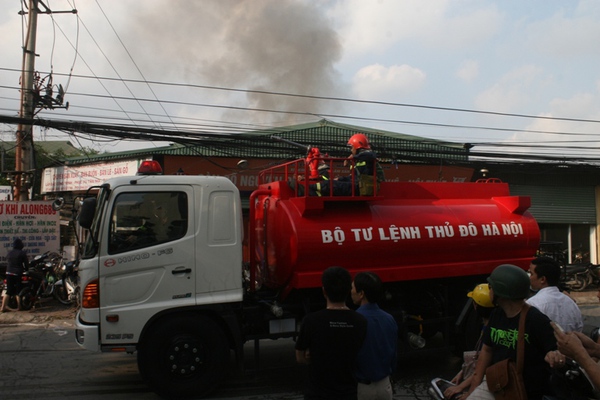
{"x":359,"y":141}
{"x":481,"y":295}
{"x":509,"y":281}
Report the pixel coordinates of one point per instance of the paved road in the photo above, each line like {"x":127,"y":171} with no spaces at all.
{"x":40,"y":359}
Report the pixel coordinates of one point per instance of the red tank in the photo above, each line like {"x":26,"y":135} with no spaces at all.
{"x":409,"y":231}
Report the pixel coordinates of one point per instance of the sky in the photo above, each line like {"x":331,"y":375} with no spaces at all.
{"x":508,"y":76}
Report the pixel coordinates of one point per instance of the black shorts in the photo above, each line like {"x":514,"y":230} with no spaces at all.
{"x":13,"y":285}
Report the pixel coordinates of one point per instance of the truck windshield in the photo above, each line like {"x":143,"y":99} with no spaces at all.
{"x":143,"y":219}
{"x":90,"y":247}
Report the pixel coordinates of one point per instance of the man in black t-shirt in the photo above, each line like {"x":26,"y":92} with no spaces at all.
{"x":329,"y":341}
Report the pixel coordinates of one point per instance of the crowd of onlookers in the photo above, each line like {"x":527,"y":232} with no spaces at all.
{"x":352,"y":355}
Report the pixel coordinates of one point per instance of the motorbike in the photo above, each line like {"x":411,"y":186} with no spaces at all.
{"x":579,"y":276}
{"x":571,"y":382}
{"x":38,"y":281}
{"x":66,"y":288}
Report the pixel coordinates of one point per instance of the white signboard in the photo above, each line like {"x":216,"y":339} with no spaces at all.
{"x":5,"y":193}
{"x":67,"y":179}
{"x":34,"y":222}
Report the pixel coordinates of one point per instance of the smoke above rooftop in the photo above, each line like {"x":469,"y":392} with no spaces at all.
{"x":285,"y":46}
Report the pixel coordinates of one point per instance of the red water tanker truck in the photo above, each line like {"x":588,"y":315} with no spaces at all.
{"x":185,"y":298}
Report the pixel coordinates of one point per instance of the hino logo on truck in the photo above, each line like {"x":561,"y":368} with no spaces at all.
{"x":135,"y":257}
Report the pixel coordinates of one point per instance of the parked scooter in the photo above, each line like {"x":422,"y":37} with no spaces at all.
{"x":38,"y":281}
{"x":66,"y":289}
{"x":579,"y":276}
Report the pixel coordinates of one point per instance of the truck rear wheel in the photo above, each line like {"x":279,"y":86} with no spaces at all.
{"x":184,"y":356}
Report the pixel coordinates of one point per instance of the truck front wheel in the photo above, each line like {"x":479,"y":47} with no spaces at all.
{"x":184,"y":356}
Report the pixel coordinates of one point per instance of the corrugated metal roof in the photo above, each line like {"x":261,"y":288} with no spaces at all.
{"x":174,"y":149}
{"x":49,"y":146}
{"x":330,"y":137}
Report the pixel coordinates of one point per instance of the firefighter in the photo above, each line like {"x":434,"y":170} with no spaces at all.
{"x":362,"y":161}
{"x":319,"y":186}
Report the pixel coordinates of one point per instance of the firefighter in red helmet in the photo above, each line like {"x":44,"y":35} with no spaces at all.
{"x":366,"y":171}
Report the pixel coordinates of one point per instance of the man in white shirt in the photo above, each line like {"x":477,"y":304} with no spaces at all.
{"x":544,"y":275}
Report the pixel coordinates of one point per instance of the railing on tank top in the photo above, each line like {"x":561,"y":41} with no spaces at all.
{"x":298,"y":173}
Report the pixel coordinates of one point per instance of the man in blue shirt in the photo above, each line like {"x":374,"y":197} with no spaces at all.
{"x":378,"y":356}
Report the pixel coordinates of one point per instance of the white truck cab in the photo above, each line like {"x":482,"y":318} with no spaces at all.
{"x":158,"y":246}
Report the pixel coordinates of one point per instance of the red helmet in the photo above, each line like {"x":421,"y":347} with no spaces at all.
{"x":359,"y":141}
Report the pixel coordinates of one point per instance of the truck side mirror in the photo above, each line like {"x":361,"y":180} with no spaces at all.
{"x":87,"y":212}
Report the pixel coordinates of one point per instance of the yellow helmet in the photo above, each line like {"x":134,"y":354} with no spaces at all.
{"x":481,"y":295}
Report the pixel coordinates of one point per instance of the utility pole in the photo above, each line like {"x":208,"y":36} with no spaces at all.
{"x":30,"y":99}
{"x":24,"y":148}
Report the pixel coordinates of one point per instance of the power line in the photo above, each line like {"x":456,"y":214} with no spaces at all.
{"x":195,"y":129}
{"x":345,"y":99}
{"x":87,"y":65}
{"x":338,"y":116}
{"x":220,"y":143}
{"x":133,"y":61}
